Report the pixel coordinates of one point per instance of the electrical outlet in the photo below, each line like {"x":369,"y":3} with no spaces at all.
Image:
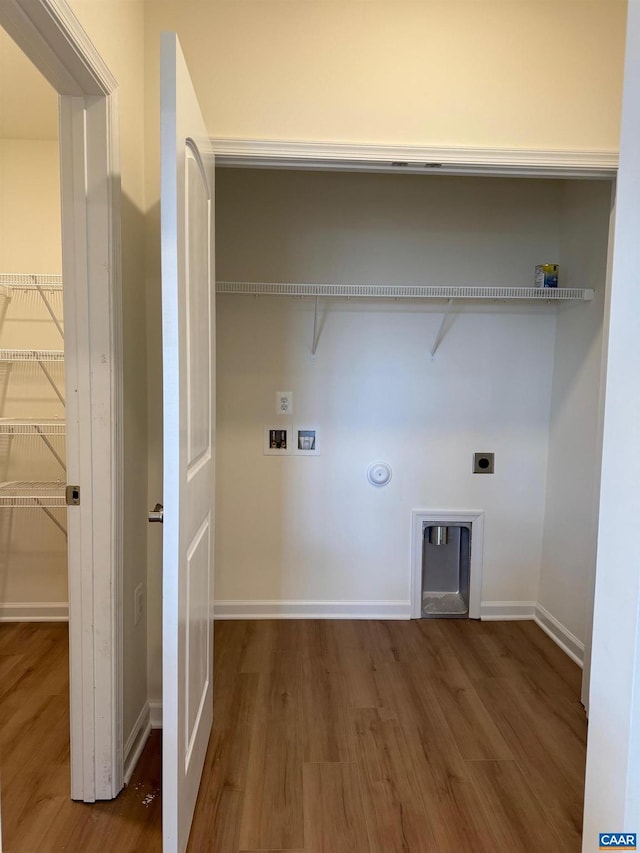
{"x":483,"y":463}
{"x":137,"y":604}
{"x":284,"y":402}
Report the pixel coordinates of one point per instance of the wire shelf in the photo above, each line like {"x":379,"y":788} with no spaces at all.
{"x":30,"y":281}
{"x":19,"y":493}
{"x":9,"y":426}
{"x":399,"y":291}
{"x":31,"y":355}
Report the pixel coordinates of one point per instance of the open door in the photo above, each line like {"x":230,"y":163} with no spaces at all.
{"x":188,"y":330}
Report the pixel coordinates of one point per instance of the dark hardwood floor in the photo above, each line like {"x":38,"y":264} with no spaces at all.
{"x":329,"y":736}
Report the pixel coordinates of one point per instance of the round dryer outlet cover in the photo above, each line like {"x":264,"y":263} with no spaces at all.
{"x":379,"y":473}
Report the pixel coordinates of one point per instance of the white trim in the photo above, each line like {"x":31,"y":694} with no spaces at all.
{"x":34,"y":611}
{"x":155,"y":711}
{"x":518,"y":162}
{"x":53,"y":39}
{"x":421,"y":518}
{"x":136,"y":742}
{"x":507,"y":611}
{"x":560,"y":635}
{"x":51,"y":36}
{"x":93,"y":377}
{"x":591,"y":568}
{"x":283,"y":609}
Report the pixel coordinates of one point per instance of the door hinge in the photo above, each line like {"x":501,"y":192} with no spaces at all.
{"x":72,"y":495}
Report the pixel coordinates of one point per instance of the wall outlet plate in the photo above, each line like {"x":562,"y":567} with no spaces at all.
{"x":284,"y":402}
{"x":483,"y":463}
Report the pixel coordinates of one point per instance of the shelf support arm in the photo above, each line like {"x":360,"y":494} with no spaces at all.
{"x":440,"y":334}
{"x":50,"y":446}
{"x":44,"y":298}
{"x":52,"y":381}
{"x":314,"y":343}
{"x":5,"y":306}
{"x":49,"y":514}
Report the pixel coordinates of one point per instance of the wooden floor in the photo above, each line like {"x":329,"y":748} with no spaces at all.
{"x":37,"y":814}
{"x":431,"y":736}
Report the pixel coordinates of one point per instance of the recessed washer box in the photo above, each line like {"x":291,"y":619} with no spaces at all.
{"x":483,"y":463}
{"x":277,"y":440}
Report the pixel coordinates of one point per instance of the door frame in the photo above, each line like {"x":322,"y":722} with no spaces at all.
{"x":50,"y":35}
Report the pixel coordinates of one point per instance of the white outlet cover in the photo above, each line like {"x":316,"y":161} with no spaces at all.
{"x":379,"y":473}
{"x":284,"y":402}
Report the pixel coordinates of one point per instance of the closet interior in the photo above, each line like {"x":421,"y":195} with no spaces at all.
{"x":400,"y":312}
{"x":33,"y":515}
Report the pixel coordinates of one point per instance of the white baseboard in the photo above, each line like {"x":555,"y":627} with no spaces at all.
{"x":567,"y":641}
{"x":513,"y":610}
{"x":155,"y":712}
{"x":34,"y":611}
{"x":312,"y":610}
{"x":508,"y":611}
{"x":136,"y":742}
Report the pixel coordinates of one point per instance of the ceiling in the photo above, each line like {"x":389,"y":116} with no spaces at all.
{"x":28,"y":104}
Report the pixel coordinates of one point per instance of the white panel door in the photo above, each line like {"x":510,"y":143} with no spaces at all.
{"x":188,"y":328}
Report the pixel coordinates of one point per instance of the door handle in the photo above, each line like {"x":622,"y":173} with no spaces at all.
{"x":157,"y":514}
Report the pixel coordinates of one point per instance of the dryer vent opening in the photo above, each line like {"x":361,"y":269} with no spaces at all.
{"x":446,"y":562}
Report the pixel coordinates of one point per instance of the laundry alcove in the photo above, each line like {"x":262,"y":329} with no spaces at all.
{"x":518,"y":376}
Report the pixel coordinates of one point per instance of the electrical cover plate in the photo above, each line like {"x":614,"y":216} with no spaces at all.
{"x":284,"y":402}
{"x":483,"y":463}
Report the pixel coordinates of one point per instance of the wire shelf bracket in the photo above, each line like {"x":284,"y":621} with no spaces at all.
{"x":43,"y":285}
{"x":44,"y":429}
{"x":441,"y":330}
{"x":41,"y":357}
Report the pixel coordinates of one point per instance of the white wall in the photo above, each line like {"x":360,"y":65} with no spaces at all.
{"x":313,"y":528}
{"x":30,"y":206}
{"x":568,"y":557}
{"x":422,"y":72}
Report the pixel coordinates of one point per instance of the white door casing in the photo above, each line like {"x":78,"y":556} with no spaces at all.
{"x":50,"y":35}
{"x":188,"y":327}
